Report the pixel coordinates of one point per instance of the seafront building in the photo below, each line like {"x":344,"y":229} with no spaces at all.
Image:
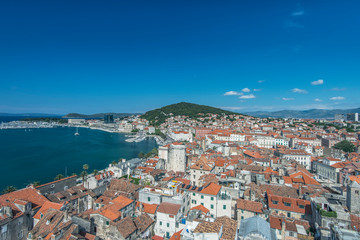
{"x":213,"y":177}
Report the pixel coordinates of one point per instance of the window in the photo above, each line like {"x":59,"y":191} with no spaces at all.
{"x":193,"y":194}
{"x":149,"y":199}
{"x":275,"y":202}
{"x":287,"y":204}
{"x":107,"y":223}
{"x":242,"y":217}
{"x":289,"y":214}
{"x":242,"y":211}
{"x":224,"y":206}
{"x":212,"y":206}
{"x":168,"y":224}
{"x":160,"y":223}
{"x":212,"y":198}
{"x":202,"y":196}
{"x":202,"y":204}
{"x":41,"y":215}
{"x":301,"y":206}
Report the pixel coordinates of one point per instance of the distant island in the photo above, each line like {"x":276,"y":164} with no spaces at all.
{"x":158,"y":116}
{"x":311,"y":114}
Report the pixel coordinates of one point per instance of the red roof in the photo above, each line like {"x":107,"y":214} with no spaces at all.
{"x":201,"y":208}
{"x":46,"y":206}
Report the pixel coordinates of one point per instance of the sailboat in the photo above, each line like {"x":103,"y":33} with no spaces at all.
{"x":77,"y":132}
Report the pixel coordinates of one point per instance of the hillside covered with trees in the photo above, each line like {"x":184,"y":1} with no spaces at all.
{"x":158,"y":116}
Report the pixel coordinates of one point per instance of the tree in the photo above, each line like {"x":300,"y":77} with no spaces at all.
{"x":345,"y":145}
{"x":83,"y":175}
{"x":58,"y":177}
{"x":9,"y":189}
{"x":36,"y":183}
{"x":86,"y":167}
{"x":95,"y":172}
{"x":114,"y":163}
{"x":141,"y":155}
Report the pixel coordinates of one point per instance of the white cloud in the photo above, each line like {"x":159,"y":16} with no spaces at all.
{"x":287,"y":99}
{"x":337,"y":98}
{"x":338,"y":89}
{"x":250,"y":96}
{"x":261,"y":81}
{"x":233,"y":93}
{"x":246,"y":89}
{"x":298,"y":12}
{"x":257,"y":90}
{"x":318,"y":82}
{"x":317,"y":100}
{"x":298,"y":90}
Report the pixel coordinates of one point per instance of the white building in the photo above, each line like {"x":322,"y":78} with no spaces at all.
{"x":211,"y":197}
{"x":168,"y":217}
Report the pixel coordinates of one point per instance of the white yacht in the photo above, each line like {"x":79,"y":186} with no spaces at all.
{"x":77,"y":132}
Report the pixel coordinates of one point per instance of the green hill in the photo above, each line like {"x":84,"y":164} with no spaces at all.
{"x":158,"y":116}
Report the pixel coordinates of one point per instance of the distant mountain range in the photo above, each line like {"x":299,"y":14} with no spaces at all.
{"x":98,"y":115}
{"x":158,"y":116}
{"x":312,"y":113}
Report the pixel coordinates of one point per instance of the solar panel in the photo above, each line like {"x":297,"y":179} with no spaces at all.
{"x":183,"y":185}
{"x":193,"y":188}
{"x":200,"y":188}
{"x":188,"y":186}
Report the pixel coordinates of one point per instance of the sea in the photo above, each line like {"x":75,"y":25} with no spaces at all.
{"x":40,"y":154}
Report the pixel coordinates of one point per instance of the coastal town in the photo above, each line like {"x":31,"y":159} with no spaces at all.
{"x":215,"y":176}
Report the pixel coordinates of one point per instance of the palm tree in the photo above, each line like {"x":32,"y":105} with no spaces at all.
{"x":83,"y":175}
{"x":86,"y":167}
{"x":95,"y":172}
{"x":58,"y":177}
{"x":9,"y":189}
{"x":114,"y":163}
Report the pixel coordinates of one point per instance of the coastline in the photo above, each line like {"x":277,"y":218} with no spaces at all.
{"x":40,"y":154}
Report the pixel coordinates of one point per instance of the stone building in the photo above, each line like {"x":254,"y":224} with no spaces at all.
{"x":353,"y":197}
{"x":174,"y":156}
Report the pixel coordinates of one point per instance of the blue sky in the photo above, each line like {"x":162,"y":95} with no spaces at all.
{"x":133,"y":56}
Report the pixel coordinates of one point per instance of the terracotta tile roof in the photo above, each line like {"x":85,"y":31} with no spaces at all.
{"x":169,"y":208}
{"x":150,"y":208}
{"x":211,"y":189}
{"x":122,"y":201}
{"x":27,"y":194}
{"x":278,"y":202}
{"x":46,"y":206}
{"x":251,"y":206}
{"x":176,"y":236}
{"x":201,"y":208}
{"x":208,"y":227}
{"x":143,"y":222}
{"x":126,"y":227}
{"x":202,"y":165}
{"x":229,"y":227}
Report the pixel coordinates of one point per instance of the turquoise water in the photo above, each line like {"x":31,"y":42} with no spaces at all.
{"x":41,"y":154}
